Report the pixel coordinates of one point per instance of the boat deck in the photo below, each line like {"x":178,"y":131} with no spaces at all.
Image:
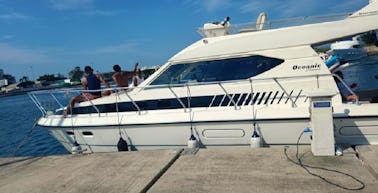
{"x":205,"y":170}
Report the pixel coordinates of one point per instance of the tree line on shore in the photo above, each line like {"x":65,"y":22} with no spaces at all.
{"x":75,"y":76}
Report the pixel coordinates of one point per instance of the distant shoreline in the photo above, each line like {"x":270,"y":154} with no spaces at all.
{"x":22,"y":91}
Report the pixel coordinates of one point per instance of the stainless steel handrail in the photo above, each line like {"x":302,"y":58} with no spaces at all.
{"x":37,"y":103}
{"x":53,"y":96}
{"x":93,"y":105}
{"x":228,"y":95}
{"x":286,"y":93}
{"x":34,"y":98}
{"x":178,"y":99}
{"x":230,"y":81}
{"x":132,"y":101}
{"x":347,"y":87}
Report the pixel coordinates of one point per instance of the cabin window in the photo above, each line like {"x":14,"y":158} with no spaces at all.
{"x":217,"y":70}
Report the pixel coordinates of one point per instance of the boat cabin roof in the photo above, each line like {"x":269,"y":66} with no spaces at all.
{"x":263,"y":24}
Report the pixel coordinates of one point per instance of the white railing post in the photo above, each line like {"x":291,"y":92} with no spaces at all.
{"x":228,"y":95}
{"x":178,"y":99}
{"x":287,"y":94}
{"x":132,"y":101}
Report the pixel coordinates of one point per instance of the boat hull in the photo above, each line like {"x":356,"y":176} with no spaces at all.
{"x":352,"y":131}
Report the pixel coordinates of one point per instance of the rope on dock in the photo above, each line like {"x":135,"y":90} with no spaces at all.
{"x":162,"y":171}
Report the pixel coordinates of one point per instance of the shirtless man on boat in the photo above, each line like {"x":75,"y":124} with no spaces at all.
{"x":121,"y":78}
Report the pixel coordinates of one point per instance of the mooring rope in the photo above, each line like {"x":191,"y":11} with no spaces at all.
{"x":26,"y":137}
{"x":189,"y":98}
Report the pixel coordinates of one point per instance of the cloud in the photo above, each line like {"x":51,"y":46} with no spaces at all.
{"x":300,"y":8}
{"x":6,"y":37}
{"x":86,"y":7}
{"x":252,"y":6}
{"x":63,"y":5}
{"x":13,"y":55}
{"x":130,"y":47}
{"x":213,"y":5}
{"x":99,"y":13}
{"x":282,"y":9}
{"x":209,"y":6}
{"x":14,"y":16}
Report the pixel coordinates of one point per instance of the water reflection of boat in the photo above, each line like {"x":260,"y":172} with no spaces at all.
{"x":223,"y":88}
{"x":348,"y":50}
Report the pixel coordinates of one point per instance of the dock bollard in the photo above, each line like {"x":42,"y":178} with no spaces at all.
{"x":192,"y":142}
{"x":255,"y":140}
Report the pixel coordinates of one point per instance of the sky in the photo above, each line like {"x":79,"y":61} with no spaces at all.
{"x":39,"y":37}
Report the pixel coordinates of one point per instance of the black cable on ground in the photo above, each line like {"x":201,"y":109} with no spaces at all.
{"x":305,"y":167}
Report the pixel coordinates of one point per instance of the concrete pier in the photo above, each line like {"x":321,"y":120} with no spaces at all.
{"x":205,"y":170}
{"x":102,"y":172}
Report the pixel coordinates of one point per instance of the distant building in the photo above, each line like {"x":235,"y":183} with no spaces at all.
{"x":3,"y":82}
{"x":148,"y":71}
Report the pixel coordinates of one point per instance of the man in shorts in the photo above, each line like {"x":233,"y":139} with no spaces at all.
{"x":89,"y":82}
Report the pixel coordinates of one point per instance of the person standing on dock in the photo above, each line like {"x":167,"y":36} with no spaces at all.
{"x":121,"y":78}
{"x":89,"y":82}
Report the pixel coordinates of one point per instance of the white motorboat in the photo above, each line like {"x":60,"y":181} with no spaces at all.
{"x":221,"y":89}
{"x":349,"y":50}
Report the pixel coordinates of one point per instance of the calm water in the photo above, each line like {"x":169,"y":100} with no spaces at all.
{"x":17,"y":117}
{"x":18,"y":114}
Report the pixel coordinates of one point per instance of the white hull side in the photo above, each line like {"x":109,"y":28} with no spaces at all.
{"x":358,"y":130}
{"x":279,"y":120}
{"x":217,"y":134}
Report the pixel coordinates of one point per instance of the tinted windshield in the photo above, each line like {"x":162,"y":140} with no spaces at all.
{"x":217,"y":70}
